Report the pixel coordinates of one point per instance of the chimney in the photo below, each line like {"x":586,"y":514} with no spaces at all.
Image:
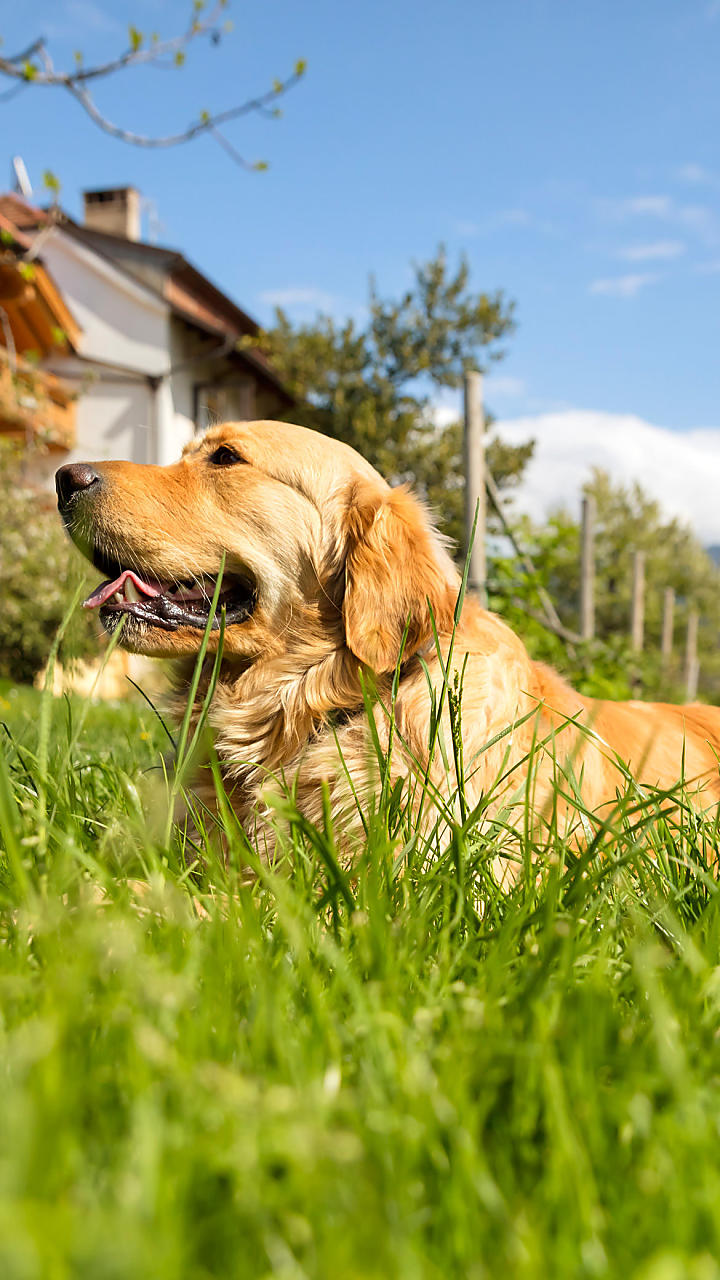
{"x":114,"y":209}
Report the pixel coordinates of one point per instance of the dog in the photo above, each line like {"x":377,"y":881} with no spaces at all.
{"x":347,"y":661}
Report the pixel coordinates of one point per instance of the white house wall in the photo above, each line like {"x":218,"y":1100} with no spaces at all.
{"x":140,"y":364}
{"x":115,"y":421}
{"x":122,"y":322}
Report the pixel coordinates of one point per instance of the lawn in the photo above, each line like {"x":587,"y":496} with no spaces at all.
{"x":402,"y":1074}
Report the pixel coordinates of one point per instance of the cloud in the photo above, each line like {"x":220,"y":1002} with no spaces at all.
{"x":290,"y":297}
{"x":657,"y":249}
{"x":708,"y":268}
{"x":695,"y":173}
{"x":85,"y":15}
{"x":444,"y":415}
{"x":494,"y":222}
{"x":647,"y":206}
{"x":623,"y":286}
{"x":679,"y":469}
{"x":696,"y":218}
{"x":700,"y":219}
{"x":504,"y":387}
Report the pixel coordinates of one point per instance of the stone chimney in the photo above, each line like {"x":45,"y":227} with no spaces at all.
{"x":114,"y":209}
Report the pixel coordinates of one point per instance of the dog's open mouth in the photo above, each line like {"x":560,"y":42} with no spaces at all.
{"x":169,"y":606}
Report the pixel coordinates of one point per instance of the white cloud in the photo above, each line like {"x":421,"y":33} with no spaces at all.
{"x":623,"y":286}
{"x":504,"y":387}
{"x":695,"y":173}
{"x":444,"y":415}
{"x":680,"y":469}
{"x":514,"y":218}
{"x":657,"y":249}
{"x":697,"y":218}
{"x":298,"y":297}
{"x":700,"y":219}
{"x":648,"y":206}
{"x":461,"y":227}
{"x":708,"y":268}
{"x":494,"y":222}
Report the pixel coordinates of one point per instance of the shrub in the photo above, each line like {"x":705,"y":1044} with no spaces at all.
{"x":39,"y":571}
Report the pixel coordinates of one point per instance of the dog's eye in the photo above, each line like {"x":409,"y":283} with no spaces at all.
{"x":224,"y":456}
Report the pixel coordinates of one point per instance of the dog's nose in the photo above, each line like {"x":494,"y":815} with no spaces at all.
{"x":72,"y":479}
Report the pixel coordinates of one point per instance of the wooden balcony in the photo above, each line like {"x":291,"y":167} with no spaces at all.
{"x":35,"y":406}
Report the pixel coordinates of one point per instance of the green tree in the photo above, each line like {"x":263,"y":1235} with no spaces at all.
{"x":372,"y":385}
{"x":628,"y":520}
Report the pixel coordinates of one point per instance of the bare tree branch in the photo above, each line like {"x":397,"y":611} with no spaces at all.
{"x":206,"y":124}
{"x":34,"y":66}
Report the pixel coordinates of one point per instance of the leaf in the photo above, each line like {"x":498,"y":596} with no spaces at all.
{"x":204,"y":117}
{"x":179,"y":58}
{"x":278,"y":86}
{"x":27,"y":271}
{"x":260,"y":166}
{"x":30,"y":70}
{"x":51,"y":182}
{"x":78,"y":57}
{"x":135,"y":37}
{"x":300,"y":67}
{"x":6,"y":237}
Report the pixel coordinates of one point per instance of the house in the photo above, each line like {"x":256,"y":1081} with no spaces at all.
{"x":128,"y":340}
{"x":35,"y":326}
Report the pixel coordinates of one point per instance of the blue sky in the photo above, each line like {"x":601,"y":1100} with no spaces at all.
{"x":571,"y":149}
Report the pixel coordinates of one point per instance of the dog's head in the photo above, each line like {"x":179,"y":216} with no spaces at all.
{"x":309,"y":534}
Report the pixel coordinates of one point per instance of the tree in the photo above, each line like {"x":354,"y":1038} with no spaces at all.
{"x":372,"y":385}
{"x":34,"y":66}
{"x":627,"y":520}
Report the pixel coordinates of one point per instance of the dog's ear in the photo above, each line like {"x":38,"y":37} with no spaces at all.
{"x":396,"y":571}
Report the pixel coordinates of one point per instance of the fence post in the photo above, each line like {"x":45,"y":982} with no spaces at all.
{"x":668,"y":622}
{"x":692,"y":666}
{"x":637,"y":608}
{"x":475,"y":499}
{"x":587,"y":568}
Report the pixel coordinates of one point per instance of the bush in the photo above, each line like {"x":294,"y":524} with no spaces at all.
{"x":39,"y":571}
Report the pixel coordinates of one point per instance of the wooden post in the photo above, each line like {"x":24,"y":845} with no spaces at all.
{"x":587,"y":569}
{"x":475,"y":482}
{"x":637,"y":609}
{"x":692,"y":666}
{"x":668,"y":622}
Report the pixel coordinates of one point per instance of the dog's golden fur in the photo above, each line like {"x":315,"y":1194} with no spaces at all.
{"x":343,"y":567}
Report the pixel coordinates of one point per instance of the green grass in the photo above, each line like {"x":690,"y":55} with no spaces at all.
{"x":403,"y":1074}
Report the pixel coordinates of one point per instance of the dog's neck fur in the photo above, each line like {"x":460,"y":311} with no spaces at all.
{"x":265,"y":711}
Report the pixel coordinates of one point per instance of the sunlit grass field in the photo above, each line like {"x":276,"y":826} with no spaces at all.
{"x":403,"y":1073}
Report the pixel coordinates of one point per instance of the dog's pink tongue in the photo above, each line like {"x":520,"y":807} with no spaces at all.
{"x":108,"y":589}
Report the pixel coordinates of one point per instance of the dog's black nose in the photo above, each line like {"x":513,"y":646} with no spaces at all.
{"x":72,"y":479}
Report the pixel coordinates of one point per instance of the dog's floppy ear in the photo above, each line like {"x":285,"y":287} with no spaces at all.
{"x":396,"y":571}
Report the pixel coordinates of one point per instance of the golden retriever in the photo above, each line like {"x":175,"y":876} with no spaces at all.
{"x":330,"y":575}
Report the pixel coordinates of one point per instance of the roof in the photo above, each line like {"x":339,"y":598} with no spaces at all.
{"x":38,"y":315}
{"x":189,"y":294}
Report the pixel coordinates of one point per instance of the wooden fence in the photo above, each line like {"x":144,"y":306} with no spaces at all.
{"x":480,"y":488}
